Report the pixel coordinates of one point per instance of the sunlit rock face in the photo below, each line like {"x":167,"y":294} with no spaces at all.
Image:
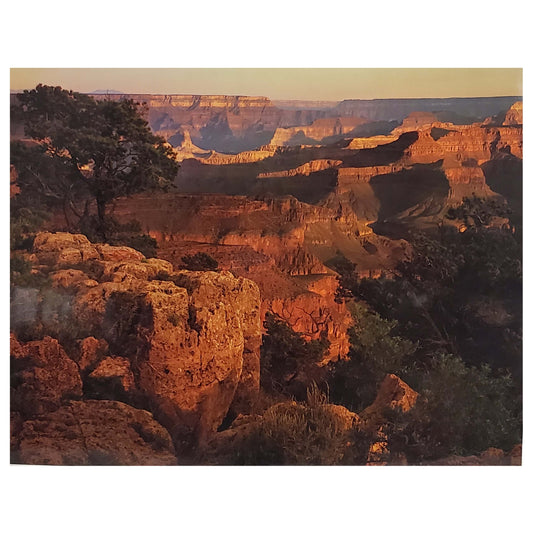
{"x":190,"y":346}
{"x":273,"y":242}
{"x":316,"y":132}
{"x":514,"y":116}
{"x":95,"y":432}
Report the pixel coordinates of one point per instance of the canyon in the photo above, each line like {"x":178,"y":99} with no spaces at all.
{"x":122,"y":358}
{"x":239,"y":123}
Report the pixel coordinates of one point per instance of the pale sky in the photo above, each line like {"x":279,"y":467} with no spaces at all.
{"x":283,"y":83}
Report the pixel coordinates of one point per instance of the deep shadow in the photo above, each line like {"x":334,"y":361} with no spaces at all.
{"x":310,"y":189}
{"x":384,"y":154}
{"x":422,"y":186}
{"x":503,"y":174}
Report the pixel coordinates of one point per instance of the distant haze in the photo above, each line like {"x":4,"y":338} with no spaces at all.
{"x":284,"y":84}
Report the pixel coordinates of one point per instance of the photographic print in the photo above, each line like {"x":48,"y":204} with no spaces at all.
{"x":266,"y":266}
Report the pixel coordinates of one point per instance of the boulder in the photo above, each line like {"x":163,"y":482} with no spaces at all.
{"x":62,"y":249}
{"x":393,"y":393}
{"x":91,"y":350}
{"x":113,"y":373}
{"x":43,"y":378}
{"x":192,"y":342}
{"x":118,"y":253}
{"x":200,"y":336}
{"x":95,"y":432}
{"x":71,"y":279}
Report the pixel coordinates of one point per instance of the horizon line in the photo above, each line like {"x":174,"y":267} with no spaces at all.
{"x":120,"y":93}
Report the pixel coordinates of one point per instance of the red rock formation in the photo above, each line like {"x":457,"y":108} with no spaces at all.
{"x":95,"y":432}
{"x":91,"y":351}
{"x":462,"y":143}
{"x":465,"y":180}
{"x":113,"y":372}
{"x":313,"y":315}
{"x":318,"y":130}
{"x":514,"y":115}
{"x":415,"y":120}
{"x":394,"y":394}
{"x":360,"y":143}
{"x":249,"y":156}
{"x":510,"y":140}
{"x":193,"y":343}
{"x":349,"y":175}
{"x":303,"y":170}
{"x":44,"y":375}
{"x":265,"y":241}
{"x":223,"y":123}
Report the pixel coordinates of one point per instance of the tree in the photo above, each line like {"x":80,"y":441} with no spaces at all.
{"x":100,"y":149}
{"x":286,"y":355}
{"x":375,"y":350}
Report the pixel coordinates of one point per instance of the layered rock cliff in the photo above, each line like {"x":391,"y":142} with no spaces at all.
{"x":316,"y":132}
{"x":217,"y":122}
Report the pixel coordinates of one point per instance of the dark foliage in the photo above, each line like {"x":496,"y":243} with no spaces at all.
{"x":479,"y":212}
{"x":117,"y":234}
{"x":461,"y":410}
{"x":286,"y":356}
{"x":199,"y":261}
{"x":461,"y":294}
{"x":375,"y":351}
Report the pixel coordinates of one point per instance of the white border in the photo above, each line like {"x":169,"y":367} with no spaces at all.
{"x":269,"y":34}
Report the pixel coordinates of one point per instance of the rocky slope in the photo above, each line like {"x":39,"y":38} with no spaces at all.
{"x":267,"y":241}
{"x":183,"y":344}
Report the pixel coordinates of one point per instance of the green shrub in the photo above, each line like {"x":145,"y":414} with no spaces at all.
{"x":22,"y":275}
{"x":285,"y":353}
{"x":199,"y":261}
{"x":461,"y":410}
{"x":24,"y":223}
{"x":374,"y":351}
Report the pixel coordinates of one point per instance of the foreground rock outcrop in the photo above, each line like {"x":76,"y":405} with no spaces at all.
{"x":95,"y":432}
{"x":43,"y":376}
{"x":185,"y":344}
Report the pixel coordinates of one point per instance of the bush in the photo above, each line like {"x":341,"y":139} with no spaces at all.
{"x":24,"y":223}
{"x":118,"y":234}
{"x":461,"y":410}
{"x":22,"y":275}
{"x":199,"y":261}
{"x":293,"y":433}
{"x":374,"y":352}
